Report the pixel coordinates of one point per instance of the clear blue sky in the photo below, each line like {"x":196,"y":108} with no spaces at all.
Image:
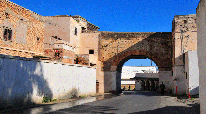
{"x":118,"y":15}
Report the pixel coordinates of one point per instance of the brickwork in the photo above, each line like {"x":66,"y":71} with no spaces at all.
{"x":27,"y":31}
{"x":115,"y":47}
{"x":184,"y":33}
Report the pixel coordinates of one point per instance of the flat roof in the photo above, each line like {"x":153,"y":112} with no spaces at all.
{"x":148,"y":78}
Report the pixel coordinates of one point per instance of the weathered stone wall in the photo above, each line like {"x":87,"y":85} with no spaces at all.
{"x":184,"y":33}
{"x":57,"y":26}
{"x":201,"y":50}
{"x":26,"y":81}
{"x":27,"y":30}
{"x":184,"y":36}
{"x":117,"y":46}
{"x":90,"y":41}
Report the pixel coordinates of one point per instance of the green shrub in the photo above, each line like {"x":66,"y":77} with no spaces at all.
{"x":54,"y":100}
{"x":46,"y":100}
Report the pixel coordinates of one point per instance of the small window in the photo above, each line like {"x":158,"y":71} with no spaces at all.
{"x":7,"y":34}
{"x":83,"y":29}
{"x":75,"y":33}
{"x":57,"y":54}
{"x":37,"y":38}
{"x":7,"y":15}
{"x":91,"y":51}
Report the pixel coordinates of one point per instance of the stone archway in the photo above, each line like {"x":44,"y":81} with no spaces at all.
{"x":116,"y":48}
{"x":135,"y":54}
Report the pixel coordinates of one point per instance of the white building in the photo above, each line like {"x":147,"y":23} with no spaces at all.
{"x":131,"y":71}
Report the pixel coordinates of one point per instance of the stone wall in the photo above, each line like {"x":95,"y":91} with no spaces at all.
{"x":114,"y":47}
{"x":26,"y":81}
{"x":201,"y":50}
{"x":27,"y":28}
{"x":184,"y":32}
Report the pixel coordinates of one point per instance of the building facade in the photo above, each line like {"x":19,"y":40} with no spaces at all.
{"x":74,"y":40}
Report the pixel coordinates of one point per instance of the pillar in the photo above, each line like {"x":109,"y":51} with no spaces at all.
{"x":143,"y":85}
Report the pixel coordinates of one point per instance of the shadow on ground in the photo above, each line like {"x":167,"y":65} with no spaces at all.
{"x":195,"y":109}
{"x":87,"y":109}
{"x":111,"y":110}
{"x":143,"y":93}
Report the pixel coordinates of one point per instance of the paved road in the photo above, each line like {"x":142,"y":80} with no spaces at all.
{"x":127,"y":103}
{"x":133,"y":103}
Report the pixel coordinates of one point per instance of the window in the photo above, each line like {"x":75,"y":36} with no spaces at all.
{"x":83,"y":29}
{"x":75,"y":33}
{"x":57,"y":54}
{"x":7,"y":15}
{"x":37,"y":38}
{"x":7,"y":34}
{"x":91,"y":51}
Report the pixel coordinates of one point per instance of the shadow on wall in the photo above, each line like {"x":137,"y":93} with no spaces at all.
{"x":194,"y":91}
{"x":22,"y":83}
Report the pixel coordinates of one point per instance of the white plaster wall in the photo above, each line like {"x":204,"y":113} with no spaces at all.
{"x":193,"y":72}
{"x":167,"y":79}
{"x":127,"y":82}
{"x":28,"y":81}
{"x":180,"y":75}
{"x":201,"y":50}
{"x":130,"y":71}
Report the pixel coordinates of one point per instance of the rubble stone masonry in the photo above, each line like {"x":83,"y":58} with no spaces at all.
{"x":26,"y":31}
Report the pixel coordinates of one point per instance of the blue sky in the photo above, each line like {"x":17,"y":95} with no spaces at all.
{"x":118,"y":15}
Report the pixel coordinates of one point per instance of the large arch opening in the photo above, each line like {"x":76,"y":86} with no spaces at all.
{"x":137,"y":72}
{"x":139,"y":68}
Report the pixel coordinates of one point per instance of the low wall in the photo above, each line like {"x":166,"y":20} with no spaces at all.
{"x":25,"y":81}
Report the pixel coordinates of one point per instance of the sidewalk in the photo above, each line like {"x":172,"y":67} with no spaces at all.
{"x":51,"y":105}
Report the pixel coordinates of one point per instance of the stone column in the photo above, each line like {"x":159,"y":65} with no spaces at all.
{"x":147,"y":85}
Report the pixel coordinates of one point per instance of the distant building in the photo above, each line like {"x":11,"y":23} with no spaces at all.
{"x":131,"y":71}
